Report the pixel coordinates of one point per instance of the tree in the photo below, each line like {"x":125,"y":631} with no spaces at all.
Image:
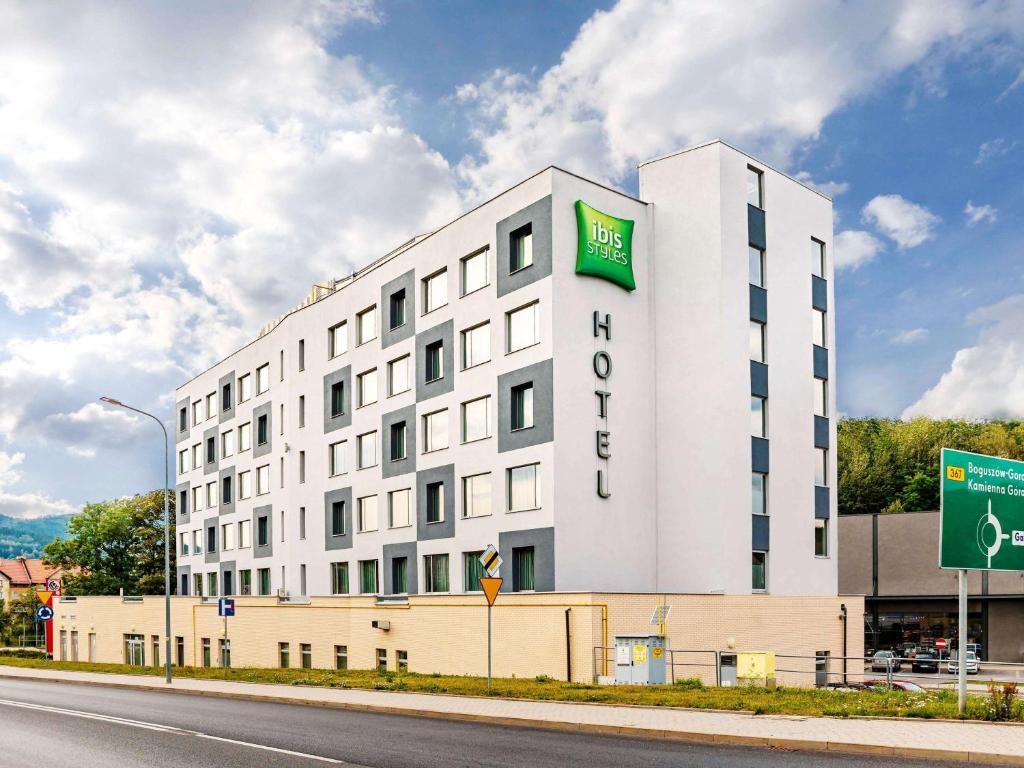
{"x":115,"y":545}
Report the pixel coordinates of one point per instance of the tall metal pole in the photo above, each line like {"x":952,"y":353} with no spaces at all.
{"x":224,"y":649}
{"x":961,"y":630}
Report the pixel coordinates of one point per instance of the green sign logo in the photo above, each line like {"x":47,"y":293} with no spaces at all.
{"x":605,"y":246}
{"x":981,"y":519}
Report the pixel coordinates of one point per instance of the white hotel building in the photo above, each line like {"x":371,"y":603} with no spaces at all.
{"x":471,"y":388}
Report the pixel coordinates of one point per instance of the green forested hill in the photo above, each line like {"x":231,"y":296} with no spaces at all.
{"x":28,"y":537}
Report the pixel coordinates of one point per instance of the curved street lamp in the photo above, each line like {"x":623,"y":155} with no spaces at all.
{"x":167,"y":537}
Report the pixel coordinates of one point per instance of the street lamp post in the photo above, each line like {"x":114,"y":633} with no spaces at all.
{"x":167,"y":537}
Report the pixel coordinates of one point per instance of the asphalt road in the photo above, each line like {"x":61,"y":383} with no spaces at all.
{"x":76,"y":725}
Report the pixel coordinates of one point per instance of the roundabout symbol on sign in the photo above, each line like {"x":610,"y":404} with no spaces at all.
{"x":44,"y":613}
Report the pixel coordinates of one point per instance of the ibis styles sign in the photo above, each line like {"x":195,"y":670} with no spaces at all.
{"x":604,"y":246}
{"x":981,"y":518}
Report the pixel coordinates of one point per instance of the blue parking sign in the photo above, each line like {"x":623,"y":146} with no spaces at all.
{"x":226,"y":607}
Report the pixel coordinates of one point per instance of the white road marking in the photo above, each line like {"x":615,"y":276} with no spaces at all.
{"x":165,"y":729}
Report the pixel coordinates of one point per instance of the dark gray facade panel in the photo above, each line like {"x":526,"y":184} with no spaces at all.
{"x":408,"y":329}
{"x":214,"y":523}
{"x":820,"y":362}
{"x":408,"y":551}
{"x":391,"y":468}
{"x":345,"y":418}
{"x":182,"y":511}
{"x":182,"y":434}
{"x":538,"y":216}
{"x":758,"y":304}
{"x":228,"y":566}
{"x":229,"y":380}
{"x":758,"y":379}
{"x":759,"y":525}
{"x":338,"y":542}
{"x":445,"y":332}
{"x":267,"y":409}
{"x":821,"y":502}
{"x":209,"y":467}
{"x":820,"y":432}
{"x":543,"y":429}
{"x":755,"y":227}
{"x":758,"y":454}
{"x":266,"y":550}
{"x":543,"y":542}
{"x":227,"y":509}
{"x":186,"y":571}
{"x":819,"y":293}
{"x":446,"y":528}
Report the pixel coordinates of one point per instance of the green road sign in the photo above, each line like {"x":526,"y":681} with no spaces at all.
{"x":981,"y":518}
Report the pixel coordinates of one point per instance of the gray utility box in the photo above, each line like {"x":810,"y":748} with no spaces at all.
{"x":727,"y":669}
{"x":640,"y":659}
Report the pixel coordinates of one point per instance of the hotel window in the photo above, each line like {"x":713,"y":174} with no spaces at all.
{"x":262,"y":429}
{"x":337,"y":518}
{"x":522,"y":569}
{"x":284,"y":655}
{"x":263,"y":531}
{"x":211,"y":495}
{"x":476,"y":345}
{"x":225,"y":397}
{"x":821,"y":397}
{"x":341,"y":651}
{"x":182,"y":420}
{"x":227,"y":536}
{"x":244,"y":387}
{"x":435,"y":573}
{"x":366,"y":325}
{"x":399,"y":508}
{"x":476,"y":419}
{"x":337,"y":399}
{"x":758,"y":416}
{"x":757,"y":339}
{"x":435,"y":361}
{"x":398,"y":376}
{"x":225,"y":490}
{"x":472,"y":571}
{"x":368,"y":577}
{"x":821,"y":466}
{"x":382,"y":659}
{"x":367,"y":507}
{"x":474,"y":272}
{"x":262,"y":378}
{"x":302,"y":466}
{"x":435,"y":291}
{"x":211,"y":450}
{"x":366,"y":385}
{"x":817,"y":258}
{"x":366,"y":450}
{"x":183,"y":461}
{"x":476,"y":495}
{"x":183,"y":501}
{"x":207,"y":660}
{"x":244,"y":484}
{"x":339,"y":578}
{"x":821,"y":538}
{"x":521,"y":248}
{"x":818,"y":327}
{"x":197,"y":412}
{"x":244,"y":437}
{"x":397,"y":449}
{"x":435,"y":502}
{"x":755,"y":187}
{"x":227,"y":443}
{"x":522,"y":327}
{"x":759,"y":492}
{"x":524,"y":488}
{"x":396,"y":309}
{"x":756,"y":265}
{"x":244,"y":534}
{"x":759,"y":571}
{"x":302,"y":354}
{"x":183,"y":544}
{"x":197,"y":498}
{"x":399,"y":575}
{"x":263,"y":480}
{"x":522,"y":406}
{"x":197,"y":542}
{"x":245,"y":582}
{"x":280,"y":419}
{"x":302,"y":411}
{"x":435,"y":431}
{"x":263,"y":577}
{"x":336,"y":458}
{"x":197,"y":456}
{"x":402,"y":661}
{"x":225,"y":646}
{"x":337,"y":340}
{"x":197,"y":585}
{"x":211,"y":405}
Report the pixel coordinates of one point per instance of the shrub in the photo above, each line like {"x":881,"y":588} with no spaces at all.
{"x":1002,"y":702}
{"x":690,"y":684}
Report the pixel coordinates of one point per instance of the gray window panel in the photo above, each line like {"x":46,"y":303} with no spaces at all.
{"x":444,"y":333}
{"x":182,"y":434}
{"x":819,"y":293}
{"x":408,"y":551}
{"x":820,"y":362}
{"x":391,"y":468}
{"x":184,"y":578}
{"x":446,"y":528}
{"x":229,"y":472}
{"x":266,"y":550}
{"x":821,"y":502}
{"x":758,"y":379}
{"x":759,"y":527}
{"x":229,"y":380}
{"x":406,"y":281}
{"x":267,"y":409}
{"x":821,"y":432}
{"x":543,"y":542}
{"x":755,"y":227}
{"x":344,"y":541}
{"x":758,"y":304}
{"x":211,"y":524}
{"x":758,"y":454}
{"x":211,"y":467}
{"x":343,"y":375}
{"x":182,"y":510}
{"x":538,"y":215}
{"x":543,"y":430}
{"x":228,"y":582}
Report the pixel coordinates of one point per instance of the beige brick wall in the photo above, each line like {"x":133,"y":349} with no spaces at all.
{"x":448,"y":634}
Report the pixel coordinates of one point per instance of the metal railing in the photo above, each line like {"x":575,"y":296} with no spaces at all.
{"x":679,"y":663}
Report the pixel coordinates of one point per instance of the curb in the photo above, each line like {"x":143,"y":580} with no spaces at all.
{"x":694,"y":737}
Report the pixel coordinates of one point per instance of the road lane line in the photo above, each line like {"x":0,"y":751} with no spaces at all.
{"x":166,"y":729}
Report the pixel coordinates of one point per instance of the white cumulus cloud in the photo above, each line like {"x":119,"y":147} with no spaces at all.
{"x":979,"y":214}
{"x":854,"y":248}
{"x":905,"y":223}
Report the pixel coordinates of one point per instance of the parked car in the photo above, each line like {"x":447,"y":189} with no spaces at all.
{"x":847,"y":687}
{"x":925,"y":661}
{"x":899,"y":685}
{"x":883,"y":661}
{"x":970,"y":664}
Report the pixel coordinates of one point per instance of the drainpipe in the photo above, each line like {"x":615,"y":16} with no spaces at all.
{"x":842,"y":607}
{"x":568,"y":648}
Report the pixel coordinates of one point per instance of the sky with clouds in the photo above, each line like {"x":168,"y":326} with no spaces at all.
{"x":175,"y":175}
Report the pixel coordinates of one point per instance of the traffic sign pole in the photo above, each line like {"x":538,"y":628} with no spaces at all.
{"x":961,"y":631}
{"x":488,"y":647}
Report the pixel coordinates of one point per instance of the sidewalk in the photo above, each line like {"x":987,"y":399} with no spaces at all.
{"x":966,"y":741}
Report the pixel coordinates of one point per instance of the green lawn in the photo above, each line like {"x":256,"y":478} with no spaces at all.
{"x":686,"y":693}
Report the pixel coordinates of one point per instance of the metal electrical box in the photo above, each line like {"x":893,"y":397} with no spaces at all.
{"x":640,"y":659}
{"x":727,"y":669}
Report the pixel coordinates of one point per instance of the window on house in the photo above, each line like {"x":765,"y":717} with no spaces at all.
{"x":476,"y":419}
{"x":472,"y":571}
{"x":302,"y":579}
{"x":182,"y":420}
{"x":402,"y":661}
{"x":476,"y":345}
{"x":336,"y":458}
{"x":263,"y":576}
{"x":262,"y":429}
{"x":337,"y":399}
{"x":183,"y":461}
{"x":341,"y":651}
{"x":244,"y":387}
{"x":523,"y":327}
{"x":398,"y":376}
{"x":244,"y":484}
{"x":225,"y":397}
{"x":821,"y":397}
{"x":521,"y":248}
{"x":755,"y":187}
{"x":759,"y":491}
{"x":211,"y":405}
{"x":197,"y":455}
{"x":263,"y":531}
{"x":400,"y":508}
{"x":197,"y":498}
{"x":262,"y":378}
{"x":183,"y":544}
{"x":197,"y":585}
{"x":817,"y":258}
{"x":757,"y":339}
{"x":367,"y":514}
{"x":382,"y":660}
{"x":302,"y":411}
{"x":435,"y":573}
{"x":396,"y":309}
{"x":284,"y":655}
{"x":435,"y":361}
{"x":339,"y":578}
{"x":245,"y":582}
{"x":435,"y":502}
{"x":756,"y":259}
{"x":399,"y":576}
{"x":183,"y":501}
{"x":244,"y":437}
{"x":207,"y":660}
{"x":524,"y":488}
{"x":179,"y":651}
{"x":366,"y":450}
{"x":522,"y":569}
{"x":821,"y":538}
{"x":227,"y":443}
{"x":758,"y":416}
{"x":474,"y":272}
{"x":367,"y":387}
{"x":211,"y":579}
{"x":302,"y":522}
{"x":302,"y":467}
{"x":337,"y":518}
{"x":366,"y":325}
{"x":197,"y":542}
{"x":522,"y":406}
{"x":398,"y":440}
{"x":302,"y":354}
{"x":368,"y":577}
{"x":435,"y":291}
{"x":759,"y":571}
{"x":227,"y":536}
{"x":821,"y":466}
{"x":819,"y":327}
{"x":244,"y":534}
{"x":211,"y":495}
{"x":476,"y":495}
{"x":197,"y":412}
{"x":337,"y":340}
{"x":280,"y":419}
{"x":263,"y":480}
